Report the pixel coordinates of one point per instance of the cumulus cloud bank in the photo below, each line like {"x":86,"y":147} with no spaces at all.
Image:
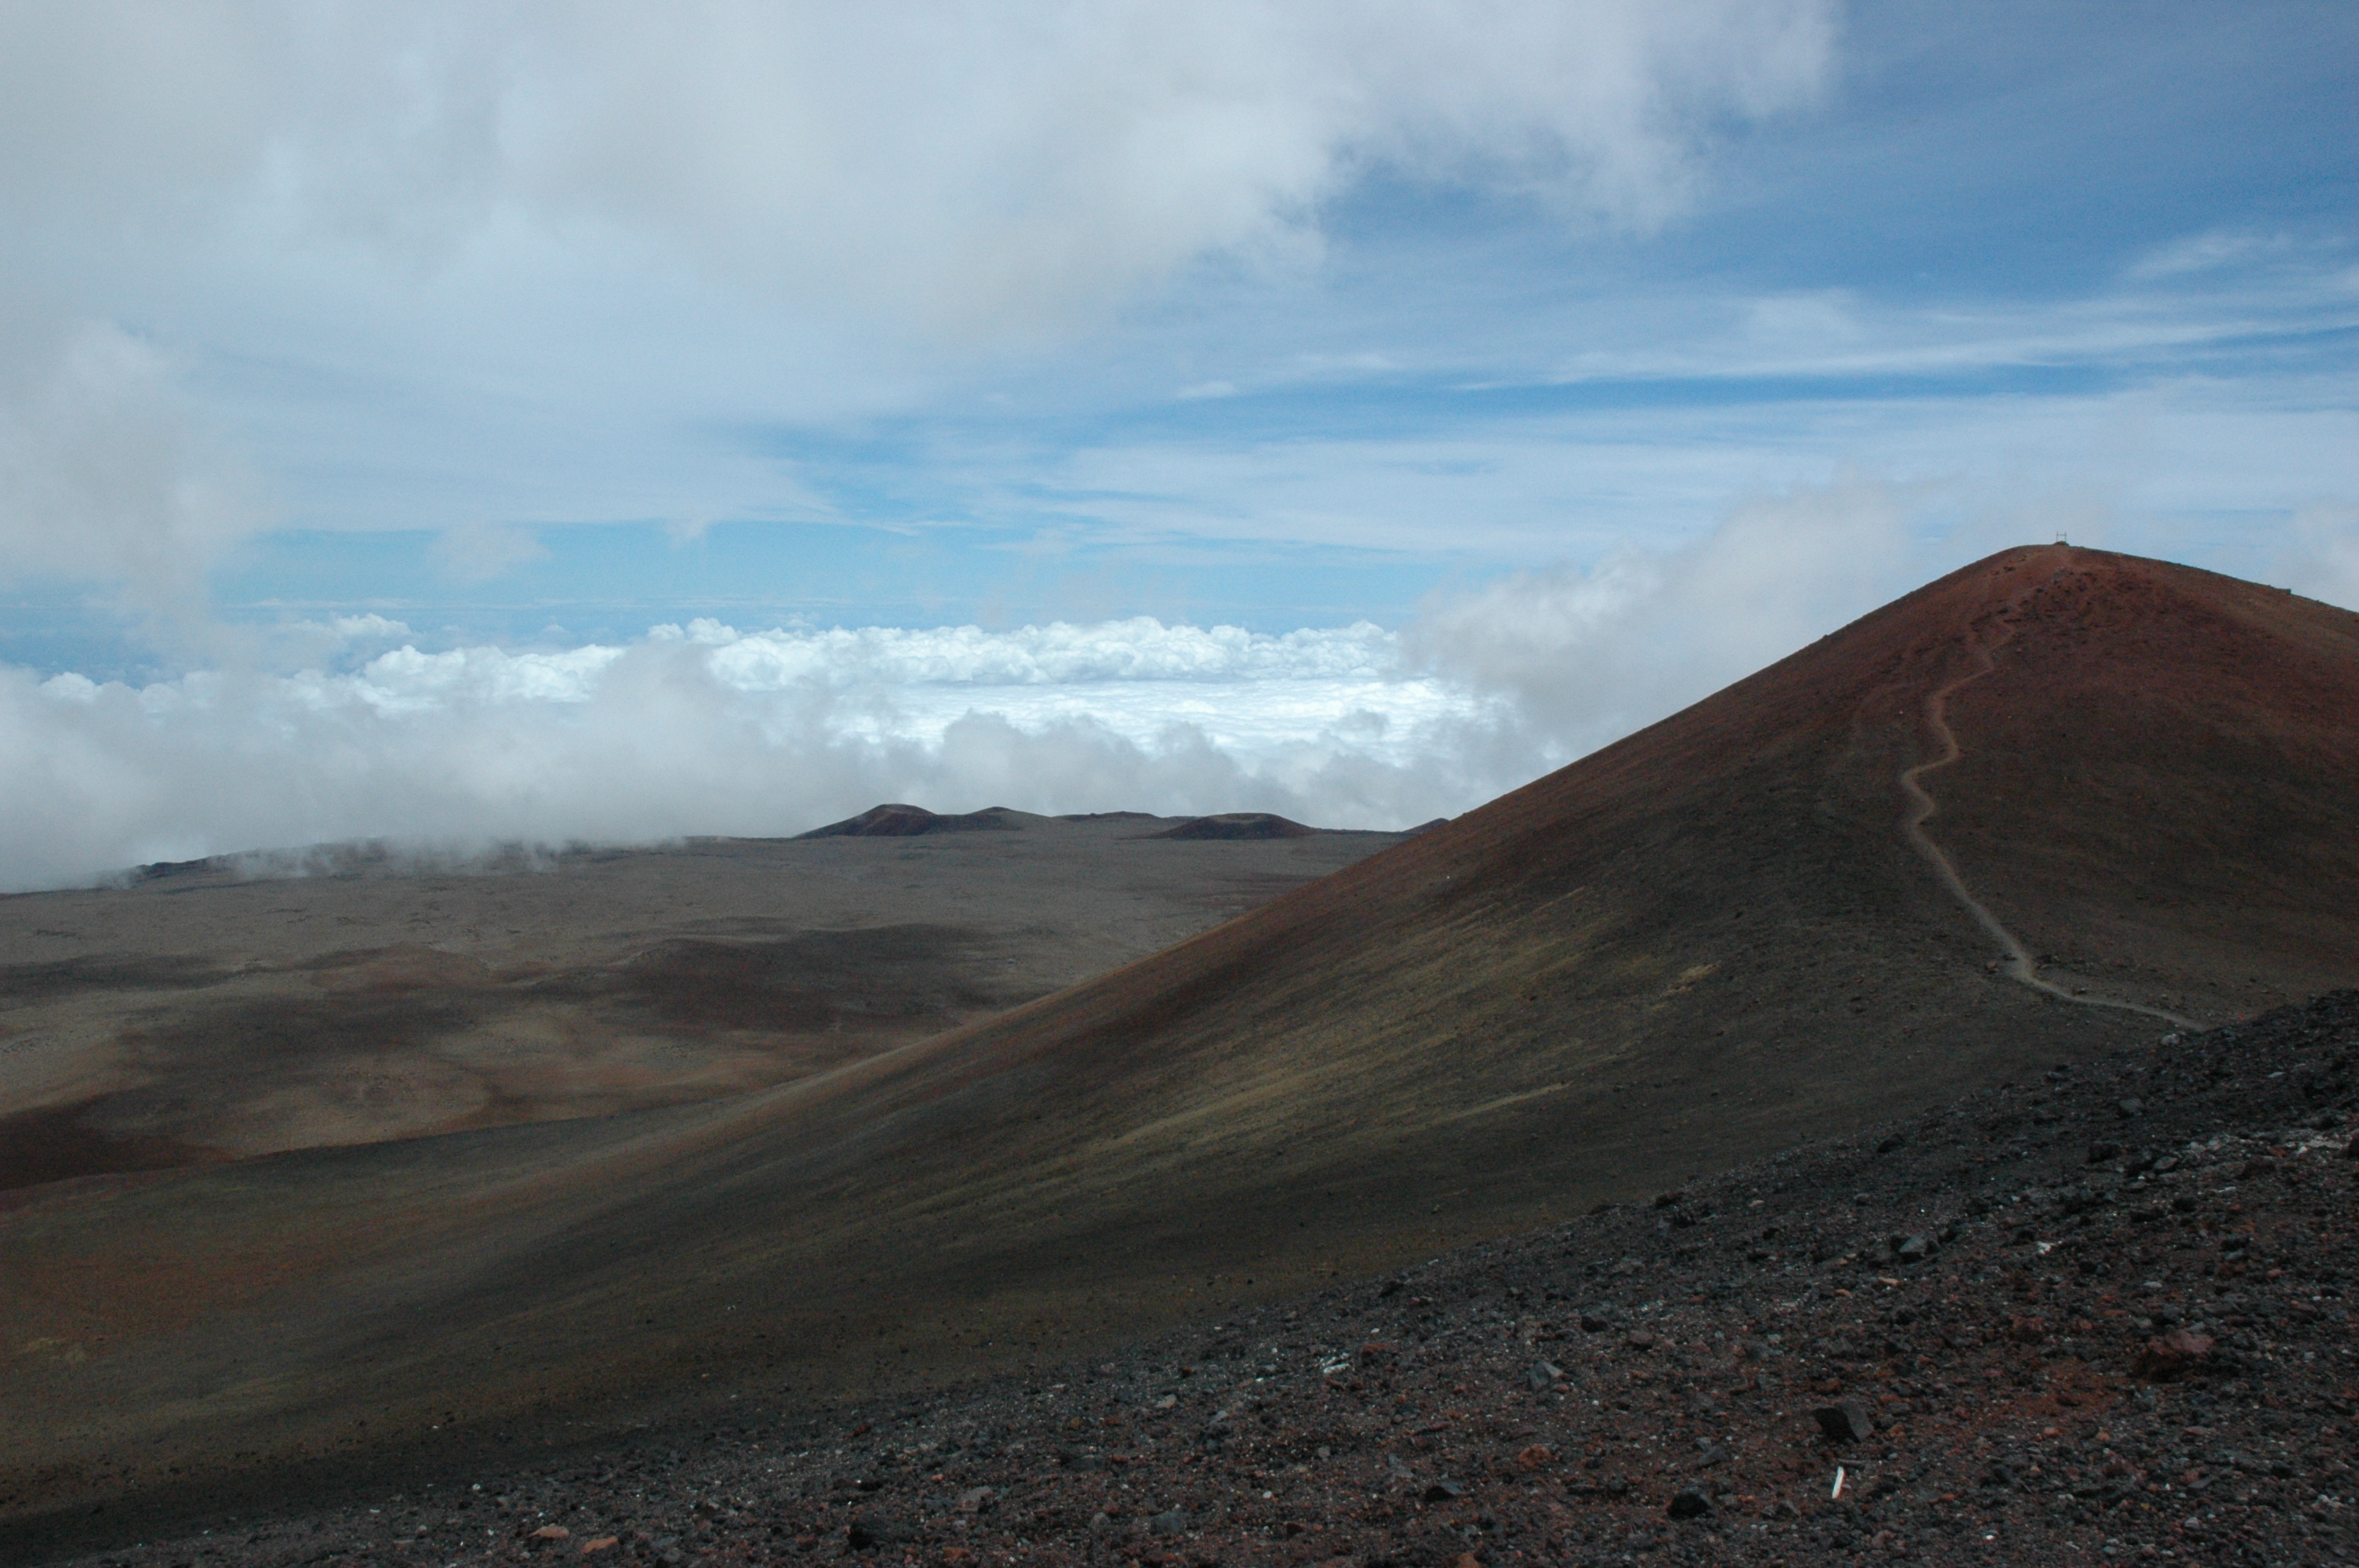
{"x":705,"y":729}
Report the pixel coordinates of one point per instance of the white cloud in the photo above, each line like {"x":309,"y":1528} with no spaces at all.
{"x":706,"y":729}
{"x":106,"y":473}
{"x":1588,"y":656}
{"x":369,"y":628}
{"x":967,"y":167}
{"x":2322,"y":557}
{"x":1141,"y":649}
{"x":983,"y":166}
{"x":438,"y":220}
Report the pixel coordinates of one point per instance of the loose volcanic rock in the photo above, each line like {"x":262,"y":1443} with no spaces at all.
{"x":869,"y":1530}
{"x":2173,"y":1355}
{"x":1845,"y":1422}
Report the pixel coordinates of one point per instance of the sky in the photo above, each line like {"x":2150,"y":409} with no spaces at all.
{"x":461,"y":424}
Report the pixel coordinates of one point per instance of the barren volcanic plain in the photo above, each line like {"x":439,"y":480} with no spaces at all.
{"x":219,"y":1009}
{"x":2035,"y":812}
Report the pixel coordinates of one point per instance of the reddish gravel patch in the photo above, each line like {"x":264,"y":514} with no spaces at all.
{"x":2099,"y":1317}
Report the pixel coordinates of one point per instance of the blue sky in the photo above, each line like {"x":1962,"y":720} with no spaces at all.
{"x":1654,"y":336}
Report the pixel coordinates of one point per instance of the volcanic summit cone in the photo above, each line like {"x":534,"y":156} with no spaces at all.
{"x":1811,"y":901}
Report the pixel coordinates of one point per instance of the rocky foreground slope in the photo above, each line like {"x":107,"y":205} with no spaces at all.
{"x":2094,"y":1316}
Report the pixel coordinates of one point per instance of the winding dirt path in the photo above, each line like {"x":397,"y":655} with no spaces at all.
{"x":2019,"y":964}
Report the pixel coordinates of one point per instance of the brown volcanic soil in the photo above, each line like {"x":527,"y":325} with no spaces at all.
{"x":2100,"y":1314}
{"x":2161,"y":780}
{"x":1707,"y":942}
{"x":212,"y":1009}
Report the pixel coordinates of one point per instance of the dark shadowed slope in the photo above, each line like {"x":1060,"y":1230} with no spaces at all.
{"x":1710,"y":940}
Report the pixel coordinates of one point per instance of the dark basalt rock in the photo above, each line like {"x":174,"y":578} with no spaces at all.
{"x":897,"y":821}
{"x":1237,"y":825}
{"x":1845,"y":1420}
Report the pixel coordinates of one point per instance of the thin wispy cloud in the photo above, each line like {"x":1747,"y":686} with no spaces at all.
{"x":2198,"y":253}
{"x":481,"y":552}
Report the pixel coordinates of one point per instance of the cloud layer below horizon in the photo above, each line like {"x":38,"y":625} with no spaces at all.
{"x":705,"y":729}
{"x":709,"y":731}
